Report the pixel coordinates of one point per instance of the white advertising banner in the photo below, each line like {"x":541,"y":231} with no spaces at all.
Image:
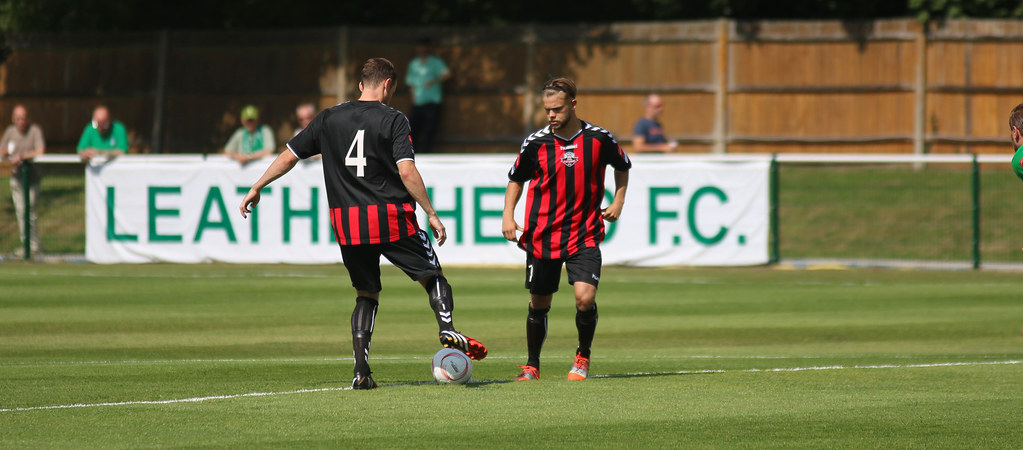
{"x":678,"y":211}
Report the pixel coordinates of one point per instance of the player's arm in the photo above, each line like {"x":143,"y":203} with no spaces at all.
{"x":281,"y":165}
{"x":413,"y":182}
{"x":511,"y":198}
{"x":614,"y":211}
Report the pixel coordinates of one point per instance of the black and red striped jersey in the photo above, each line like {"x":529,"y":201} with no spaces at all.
{"x":566,"y":187}
{"x":362,"y":143}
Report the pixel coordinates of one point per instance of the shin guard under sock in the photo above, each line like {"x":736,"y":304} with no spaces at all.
{"x":363,"y":319}
{"x":586,"y":324}
{"x":442,"y":303}
{"x":536,"y":334}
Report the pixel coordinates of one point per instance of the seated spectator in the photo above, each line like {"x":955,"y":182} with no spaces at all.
{"x":647,"y":135}
{"x":102,"y":137}
{"x":252,"y":140}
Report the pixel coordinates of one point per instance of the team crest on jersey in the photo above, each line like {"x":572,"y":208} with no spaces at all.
{"x":569,"y":159}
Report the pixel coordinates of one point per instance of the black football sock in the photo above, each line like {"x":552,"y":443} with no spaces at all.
{"x":442,"y":303}
{"x":586,"y":324}
{"x":363,"y":319}
{"x":536,"y":334}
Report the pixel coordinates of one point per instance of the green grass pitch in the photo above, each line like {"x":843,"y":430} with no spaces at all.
{"x":260,"y":356}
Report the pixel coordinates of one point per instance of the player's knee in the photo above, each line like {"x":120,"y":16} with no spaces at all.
{"x":537,"y":301}
{"x":585,"y":303}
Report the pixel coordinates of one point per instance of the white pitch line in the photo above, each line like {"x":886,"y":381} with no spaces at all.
{"x":633,"y":374}
{"x":330,"y":359}
{"x":813,"y":368}
{"x":179,"y":400}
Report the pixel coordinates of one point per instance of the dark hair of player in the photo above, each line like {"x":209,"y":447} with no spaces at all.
{"x":1016,"y":117}
{"x":560,"y":84}
{"x":376,"y":70}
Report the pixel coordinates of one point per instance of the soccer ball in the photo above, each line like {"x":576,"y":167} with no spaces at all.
{"x":451,"y":366}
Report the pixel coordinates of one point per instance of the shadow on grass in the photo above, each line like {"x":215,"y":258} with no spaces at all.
{"x":482,"y":383}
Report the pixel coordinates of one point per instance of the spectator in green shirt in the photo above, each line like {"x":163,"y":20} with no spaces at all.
{"x":251,"y":141}
{"x":102,"y":137}
{"x":425,"y":77}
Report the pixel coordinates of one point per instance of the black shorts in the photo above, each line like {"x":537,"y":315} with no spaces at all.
{"x":543,"y":275}
{"x":414,"y":255}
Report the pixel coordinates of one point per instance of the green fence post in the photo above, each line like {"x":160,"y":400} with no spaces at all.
{"x":976,"y":213}
{"x":775,"y":256}
{"x":26,"y":189}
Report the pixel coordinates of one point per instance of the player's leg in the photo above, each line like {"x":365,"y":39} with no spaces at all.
{"x":542,"y":276}
{"x":583,"y":269}
{"x":414,"y":255}
{"x":442,"y":302}
{"x":363,"y":264}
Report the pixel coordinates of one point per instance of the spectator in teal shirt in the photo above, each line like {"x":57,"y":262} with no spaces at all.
{"x":102,"y":137}
{"x":425,"y":77}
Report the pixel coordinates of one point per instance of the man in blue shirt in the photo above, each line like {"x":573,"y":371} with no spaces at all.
{"x":647,"y":135}
{"x":425,"y":77}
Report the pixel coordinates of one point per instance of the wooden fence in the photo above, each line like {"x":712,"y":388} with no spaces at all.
{"x":738,"y":87}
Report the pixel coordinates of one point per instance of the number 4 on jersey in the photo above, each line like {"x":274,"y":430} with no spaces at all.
{"x":359,"y":158}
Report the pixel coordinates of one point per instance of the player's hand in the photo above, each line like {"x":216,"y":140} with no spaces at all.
{"x":612,"y":213}
{"x":509,"y":227}
{"x":251,"y":200}
{"x":439,"y":233}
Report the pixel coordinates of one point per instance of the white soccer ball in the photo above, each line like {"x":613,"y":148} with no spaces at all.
{"x":451,"y":366}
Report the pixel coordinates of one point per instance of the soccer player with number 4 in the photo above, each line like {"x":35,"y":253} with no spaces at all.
{"x":564,"y":163}
{"x":372,"y":187}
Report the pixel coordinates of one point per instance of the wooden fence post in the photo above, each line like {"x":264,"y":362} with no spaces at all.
{"x":920,"y":94}
{"x":721,"y":91}
{"x":529,"y":95}
{"x":342,"y":65}
{"x":160,"y":94}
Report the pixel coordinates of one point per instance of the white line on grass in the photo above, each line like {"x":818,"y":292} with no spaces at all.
{"x":330,"y":359}
{"x":805,"y":369}
{"x":198,"y":275}
{"x":626,"y":375}
{"x":179,"y":400}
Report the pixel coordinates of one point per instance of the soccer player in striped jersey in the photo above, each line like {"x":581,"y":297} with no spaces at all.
{"x":564,"y":163}
{"x":372,"y":187}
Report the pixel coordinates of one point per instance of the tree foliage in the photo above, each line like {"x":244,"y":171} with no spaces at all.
{"x":144,"y":15}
